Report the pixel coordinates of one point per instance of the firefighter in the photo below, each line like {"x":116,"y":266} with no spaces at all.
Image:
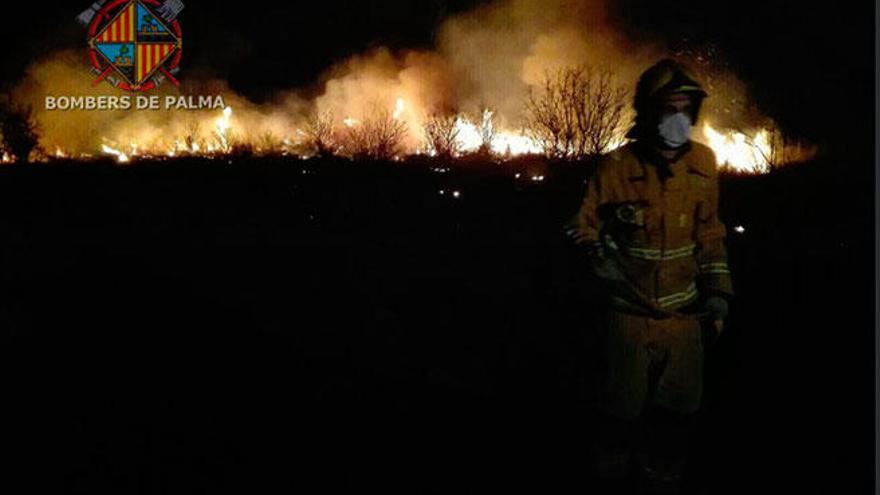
{"x":649,"y":227}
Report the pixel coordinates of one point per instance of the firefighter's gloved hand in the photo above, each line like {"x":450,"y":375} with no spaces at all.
{"x":608,"y":270}
{"x":602,"y":266}
{"x":717,"y":308}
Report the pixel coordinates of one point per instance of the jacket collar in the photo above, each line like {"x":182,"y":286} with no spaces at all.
{"x":650,"y":156}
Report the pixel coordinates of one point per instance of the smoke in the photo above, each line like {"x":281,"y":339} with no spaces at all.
{"x":501,"y":49}
{"x":487,"y":57}
{"x":421,"y":80}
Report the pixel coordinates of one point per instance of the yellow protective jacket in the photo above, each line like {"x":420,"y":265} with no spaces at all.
{"x":666,"y":236}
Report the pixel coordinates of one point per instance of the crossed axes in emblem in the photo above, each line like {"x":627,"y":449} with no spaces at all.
{"x":169,"y":10}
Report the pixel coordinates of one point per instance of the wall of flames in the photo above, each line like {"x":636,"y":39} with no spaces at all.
{"x":744,"y":152}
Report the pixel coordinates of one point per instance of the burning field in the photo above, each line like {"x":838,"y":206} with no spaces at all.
{"x":490,"y":86}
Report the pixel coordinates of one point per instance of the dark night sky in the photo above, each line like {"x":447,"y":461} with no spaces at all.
{"x":793,"y":57}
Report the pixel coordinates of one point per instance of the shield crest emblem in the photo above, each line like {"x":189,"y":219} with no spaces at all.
{"x":135,"y":43}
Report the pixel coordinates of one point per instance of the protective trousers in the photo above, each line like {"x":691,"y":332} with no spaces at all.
{"x":650,"y":383}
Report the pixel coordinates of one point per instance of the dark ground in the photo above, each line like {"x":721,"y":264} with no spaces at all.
{"x":201,"y":327}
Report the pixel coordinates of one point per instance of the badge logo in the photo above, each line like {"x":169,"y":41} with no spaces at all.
{"x":135,"y":45}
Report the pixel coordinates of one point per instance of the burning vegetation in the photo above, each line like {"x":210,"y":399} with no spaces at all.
{"x":557,"y":83}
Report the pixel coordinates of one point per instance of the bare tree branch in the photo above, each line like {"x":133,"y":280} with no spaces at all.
{"x":319,"y":132}
{"x":576,"y":112}
{"x":379,"y":136}
{"x":19,"y":132}
{"x":441,"y":134}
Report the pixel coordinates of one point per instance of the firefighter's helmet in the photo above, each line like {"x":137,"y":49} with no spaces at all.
{"x":664,"y":78}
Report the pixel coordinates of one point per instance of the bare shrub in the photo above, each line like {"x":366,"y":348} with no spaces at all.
{"x":191,"y":139}
{"x":269,"y":144}
{"x":488,"y":125}
{"x":441,"y":134}
{"x":319,"y":133}
{"x":378,"y":137}
{"x":576,"y":112}
{"x":19,"y":132}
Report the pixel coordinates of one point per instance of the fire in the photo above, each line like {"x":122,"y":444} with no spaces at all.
{"x":399,"y":108}
{"x":511,"y":143}
{"x":756,"y":152}
{"x":223,"y":125}
{"x":120,"y":156}
{"x":468,"y":134}
{"x":218,"y":143}
{"x":753,"y":152}
{"x":738,"y":151}
{"x":471,"y":137}
{"x":181,"y":147}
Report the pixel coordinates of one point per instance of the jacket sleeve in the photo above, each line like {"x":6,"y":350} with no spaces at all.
{"x":713,"y":275}
{"x":585,"y":226}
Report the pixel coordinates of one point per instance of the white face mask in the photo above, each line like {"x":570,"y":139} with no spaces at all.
{"x":675,"y":129}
